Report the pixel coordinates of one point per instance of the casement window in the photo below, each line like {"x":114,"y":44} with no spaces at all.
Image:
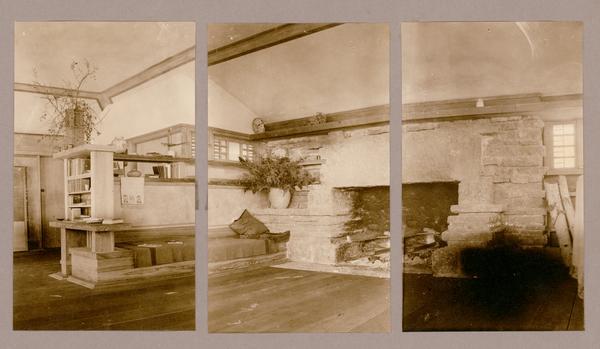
{"x":226,"y":147}
{"x":563,"y":147}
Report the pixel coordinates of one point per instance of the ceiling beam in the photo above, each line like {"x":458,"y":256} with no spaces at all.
{"x":54,"y":91}
{"x":150,"y":73}
{"x":262,"y":40}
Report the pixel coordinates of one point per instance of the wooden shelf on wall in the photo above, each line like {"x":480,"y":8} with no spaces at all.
{"x":83,"y":151}
{"x":80,"y":192}
{"x":225,"y":163}
{"x":151,"y":158}
{"x":352,"y":118}
{"x":80,"y":176}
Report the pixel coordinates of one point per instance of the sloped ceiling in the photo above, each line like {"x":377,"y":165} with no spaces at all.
{"x":446,"y":60}
{"x":118,"y":49}
{"x":342,"y":68}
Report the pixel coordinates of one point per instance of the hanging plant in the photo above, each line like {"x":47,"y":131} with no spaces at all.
{"x":69,"y":114}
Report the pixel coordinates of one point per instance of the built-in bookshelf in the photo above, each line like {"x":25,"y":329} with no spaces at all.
{"x":88,"y":181}
{"x":79,"y":184}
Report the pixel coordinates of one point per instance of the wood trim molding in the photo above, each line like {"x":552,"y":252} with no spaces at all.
{"x":351,"y":118}
{"x":58,"y":91}
{"x":228,"y":133}
{"x":158,"y":69}
{"x":265,"y":39}
{"x":517,"y":104}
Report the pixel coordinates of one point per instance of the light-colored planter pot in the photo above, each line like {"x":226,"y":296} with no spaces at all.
{"x":279,"y":198}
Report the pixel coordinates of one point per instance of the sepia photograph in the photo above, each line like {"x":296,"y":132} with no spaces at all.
{"x":104,"y":176}
{"x":298,"y":177}
{"x":492,"y":176}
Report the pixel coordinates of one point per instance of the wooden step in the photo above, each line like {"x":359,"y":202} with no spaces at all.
{"x":225,"y":249}
{"x":89,"y":266}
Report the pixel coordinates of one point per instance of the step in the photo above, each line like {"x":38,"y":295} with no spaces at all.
{"x":224,"y":249}
{"x":151,"y":253}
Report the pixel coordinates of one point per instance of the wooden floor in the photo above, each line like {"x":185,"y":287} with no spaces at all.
{"x":285,"y":300}
{"x":43,"y":303}
{"x":545,"y":303}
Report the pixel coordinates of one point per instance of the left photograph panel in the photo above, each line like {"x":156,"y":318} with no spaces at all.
{"x":104,"y":176}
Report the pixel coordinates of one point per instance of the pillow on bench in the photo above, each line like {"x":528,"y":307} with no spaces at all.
{"x":248,"y":226}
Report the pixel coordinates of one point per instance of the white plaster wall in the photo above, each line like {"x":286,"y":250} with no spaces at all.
{"x":225,"y":172}
{"x":161,"y":102}
{"x":226,"y":203}
{"x":356,"y":159}
{"x":164,"y":203}
{"x":227,"y":112}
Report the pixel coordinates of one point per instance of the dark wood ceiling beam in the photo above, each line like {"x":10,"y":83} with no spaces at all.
{"x":150,"y":73}
{"x":266,"y":39}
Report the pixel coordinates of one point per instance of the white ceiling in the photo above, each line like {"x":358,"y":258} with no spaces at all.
{"x":446,"y":60}
{"x":342,"y":68}
{"x":118,"y":49}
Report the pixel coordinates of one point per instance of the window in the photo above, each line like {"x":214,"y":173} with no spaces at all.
{"x":563,"y":146}
{"x":231,"y":149}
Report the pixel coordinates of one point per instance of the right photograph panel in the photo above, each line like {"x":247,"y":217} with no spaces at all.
{"x":492,"y":176}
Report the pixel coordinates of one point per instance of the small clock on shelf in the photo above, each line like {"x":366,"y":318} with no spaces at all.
{"x":258,"y":125}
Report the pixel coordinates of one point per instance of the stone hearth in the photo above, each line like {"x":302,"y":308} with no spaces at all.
{"x":336,"y":236}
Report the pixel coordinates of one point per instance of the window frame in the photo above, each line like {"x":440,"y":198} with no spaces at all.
{"x":228,"y":136}
{"x":549,"y":144}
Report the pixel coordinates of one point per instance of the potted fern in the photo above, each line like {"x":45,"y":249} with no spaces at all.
{"x":280,"y":176}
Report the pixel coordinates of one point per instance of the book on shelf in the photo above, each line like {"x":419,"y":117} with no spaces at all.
{"x":79,"y":185}
{"x":163,"y":171}
{"x":78,"y":167}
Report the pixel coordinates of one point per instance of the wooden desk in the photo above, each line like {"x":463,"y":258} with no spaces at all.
{"x":98,"y":238}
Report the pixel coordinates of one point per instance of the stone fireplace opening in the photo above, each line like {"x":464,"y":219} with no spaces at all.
{"x":425,"y":211}
{"x":366,"y":236}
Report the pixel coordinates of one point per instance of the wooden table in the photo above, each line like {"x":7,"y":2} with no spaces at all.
{"x":98,"y":238}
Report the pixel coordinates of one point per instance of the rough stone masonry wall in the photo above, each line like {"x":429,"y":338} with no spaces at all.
{"x":357,"y":157}
{"x":500,"y":184}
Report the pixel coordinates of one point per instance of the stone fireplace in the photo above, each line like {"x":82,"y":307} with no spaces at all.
{"x":344,"y":218}
{"x":498,"y":164}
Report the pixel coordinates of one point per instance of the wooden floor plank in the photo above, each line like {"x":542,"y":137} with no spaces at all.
{"x":44,"y":303}
{"x":541,"y":302}
{"x":286,"y":300}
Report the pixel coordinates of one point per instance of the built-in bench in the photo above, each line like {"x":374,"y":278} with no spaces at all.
{"x":227,"y":252}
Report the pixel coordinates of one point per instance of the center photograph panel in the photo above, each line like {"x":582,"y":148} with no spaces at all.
{"x":298,"y":178}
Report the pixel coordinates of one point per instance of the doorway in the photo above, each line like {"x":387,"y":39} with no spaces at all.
{"x":20,"y":208}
